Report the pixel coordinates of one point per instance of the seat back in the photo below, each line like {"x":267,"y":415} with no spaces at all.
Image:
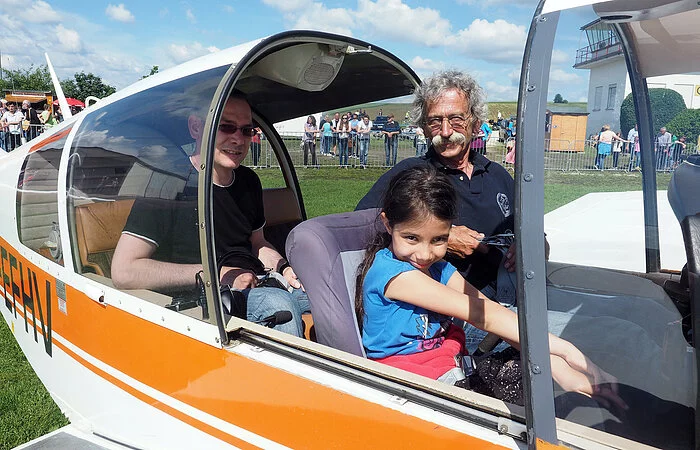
{"x":98,"y":227}
{"x":325,"y":253}
{"x":282,"y":213}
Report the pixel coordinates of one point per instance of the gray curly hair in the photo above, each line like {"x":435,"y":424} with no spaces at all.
{"x":434,"y":86}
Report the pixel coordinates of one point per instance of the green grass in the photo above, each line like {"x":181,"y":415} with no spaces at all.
{"x":26,"y":409}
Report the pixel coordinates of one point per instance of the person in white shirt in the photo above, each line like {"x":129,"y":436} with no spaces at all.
{"x":364,"y":127}
{"x":12,"y":119}
{"x":631,"y":135}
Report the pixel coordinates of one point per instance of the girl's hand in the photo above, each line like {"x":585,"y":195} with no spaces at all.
{"x":591,"y":381}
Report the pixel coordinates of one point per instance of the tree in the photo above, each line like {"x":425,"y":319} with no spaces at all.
{"x":154,"y":70}
{"x":686,"y":123}
{"x":665,"y":105}
{"x":84,"y":85}
{"x":31,"y":79}
{"x":559,"y":99}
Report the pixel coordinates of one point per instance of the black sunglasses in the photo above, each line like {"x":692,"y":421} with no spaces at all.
{"x":246,"y":130}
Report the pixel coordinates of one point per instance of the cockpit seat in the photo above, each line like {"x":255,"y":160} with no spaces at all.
{"x":282,"y":213}
{"x":325,"y":253}
{"x":683,"y":197}
{"x":98,"y":227}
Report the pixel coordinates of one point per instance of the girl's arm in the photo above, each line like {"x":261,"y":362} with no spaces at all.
{"x":462,"y":300}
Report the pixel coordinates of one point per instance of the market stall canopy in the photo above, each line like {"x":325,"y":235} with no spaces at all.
{"x":71,"y":102}
{"x":32,"y":96}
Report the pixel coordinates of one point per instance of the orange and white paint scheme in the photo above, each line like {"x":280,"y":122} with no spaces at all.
{"x":139,"y":368}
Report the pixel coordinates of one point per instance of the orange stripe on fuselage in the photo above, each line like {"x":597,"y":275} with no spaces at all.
{"x":50,"y":139}
{"x":269,"y":402}
{"x":155,"y":403}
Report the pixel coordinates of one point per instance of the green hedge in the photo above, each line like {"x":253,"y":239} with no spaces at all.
{"x":665,"y":105}
{"x":686,"y":123}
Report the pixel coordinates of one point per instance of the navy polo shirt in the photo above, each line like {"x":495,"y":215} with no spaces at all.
{"x":484,"y":204}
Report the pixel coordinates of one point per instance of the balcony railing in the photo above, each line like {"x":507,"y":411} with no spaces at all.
{"x":600,"y":50}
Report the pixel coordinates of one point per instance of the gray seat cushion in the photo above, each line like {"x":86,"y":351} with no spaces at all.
{"x":325,"y":253}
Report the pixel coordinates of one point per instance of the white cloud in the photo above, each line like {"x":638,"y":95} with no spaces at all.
{"x":229,"y":9}
{"x":490,"y":3}
{"x":497,"y":41}
{"x":423,"y":64}
{"x":182,"y":53}
{"x":39,"y":12}
{"x":559,"y":75}
{"x":560,"y":57}
{"x":119,"y":13}
{"x":514,"y":77}
{"x":190,"y":16}
{"x":69,"y":39}
{"x":334,"y":20}
{"x":498,"y":91}
{"x":395,"y":20}
{"x":288,"y":6}
{"x":164,"y":12}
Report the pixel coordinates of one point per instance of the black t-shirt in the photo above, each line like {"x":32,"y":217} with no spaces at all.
{"x":172,"y":224}
{"x":238,"y":211}
{"x":483,"y":204}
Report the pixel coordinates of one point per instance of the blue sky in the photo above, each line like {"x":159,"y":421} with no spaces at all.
{"x":121,"y":41}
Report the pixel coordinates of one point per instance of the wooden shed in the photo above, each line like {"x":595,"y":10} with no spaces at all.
{"x":566,"y":128}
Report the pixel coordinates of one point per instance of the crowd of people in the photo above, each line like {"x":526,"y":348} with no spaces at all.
{"x":348,"y":135}
{"x":668,"y":149}
{"x":22,"y":124}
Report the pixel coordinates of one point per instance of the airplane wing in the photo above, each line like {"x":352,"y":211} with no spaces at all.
{"x":70,"y":437}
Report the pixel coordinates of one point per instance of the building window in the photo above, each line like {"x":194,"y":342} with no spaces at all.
{"x":598,"y":98}
{"x":612,"y":92}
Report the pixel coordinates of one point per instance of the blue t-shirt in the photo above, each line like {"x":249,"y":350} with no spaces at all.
{"x":392,"y":327}
{"x":327,"y":130}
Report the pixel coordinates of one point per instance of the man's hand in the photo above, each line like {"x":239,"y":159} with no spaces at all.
{"x":291,"y":277}
{"x":510,"y":259}
{"x":464,"y":241}
{"x":238,"y":278}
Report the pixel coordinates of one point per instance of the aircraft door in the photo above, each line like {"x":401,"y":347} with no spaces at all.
{"x":132,"y":193}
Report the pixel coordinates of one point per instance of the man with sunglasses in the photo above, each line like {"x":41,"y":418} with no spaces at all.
{"x":156,"y":236}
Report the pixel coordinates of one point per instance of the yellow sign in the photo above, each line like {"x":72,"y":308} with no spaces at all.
{"x":697,"y":90}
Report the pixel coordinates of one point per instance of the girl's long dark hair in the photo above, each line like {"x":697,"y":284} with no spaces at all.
{"x":415,"y":193}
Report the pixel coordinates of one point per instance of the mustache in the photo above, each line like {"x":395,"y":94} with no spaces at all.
{"x":455,"y":138}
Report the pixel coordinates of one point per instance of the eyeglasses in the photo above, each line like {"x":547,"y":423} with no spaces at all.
{"x":456,"y":121}
{"x":246,"y":130}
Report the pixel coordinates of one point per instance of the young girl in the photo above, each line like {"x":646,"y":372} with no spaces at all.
{"x":407,"y":295}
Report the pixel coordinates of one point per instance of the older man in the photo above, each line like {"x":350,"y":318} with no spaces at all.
{"x":32,"y":116}
{"x":158,"y":248}
{"x":450,"y":107}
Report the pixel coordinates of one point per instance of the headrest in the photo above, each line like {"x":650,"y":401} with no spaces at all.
{"x":684,"y":187}
{"x":325,"y":252}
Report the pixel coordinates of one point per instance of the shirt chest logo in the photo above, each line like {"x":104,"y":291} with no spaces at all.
{"x":503,"y":203}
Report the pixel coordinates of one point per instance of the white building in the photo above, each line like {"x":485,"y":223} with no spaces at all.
{"x":608,"y":84}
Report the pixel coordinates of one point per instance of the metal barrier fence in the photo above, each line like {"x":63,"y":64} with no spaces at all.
{"x":561,"y":155}
{"x":376,"y":155}
{"x":14,"y":136}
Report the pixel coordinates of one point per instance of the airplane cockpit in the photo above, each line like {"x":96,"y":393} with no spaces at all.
{"x":81,"y":183}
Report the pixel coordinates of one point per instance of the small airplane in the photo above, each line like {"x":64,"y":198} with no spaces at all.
{"x":130,"y":370}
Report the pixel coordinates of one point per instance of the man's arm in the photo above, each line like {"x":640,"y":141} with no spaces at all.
{"x":133,"y":268}
{"x":271,"y":257}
